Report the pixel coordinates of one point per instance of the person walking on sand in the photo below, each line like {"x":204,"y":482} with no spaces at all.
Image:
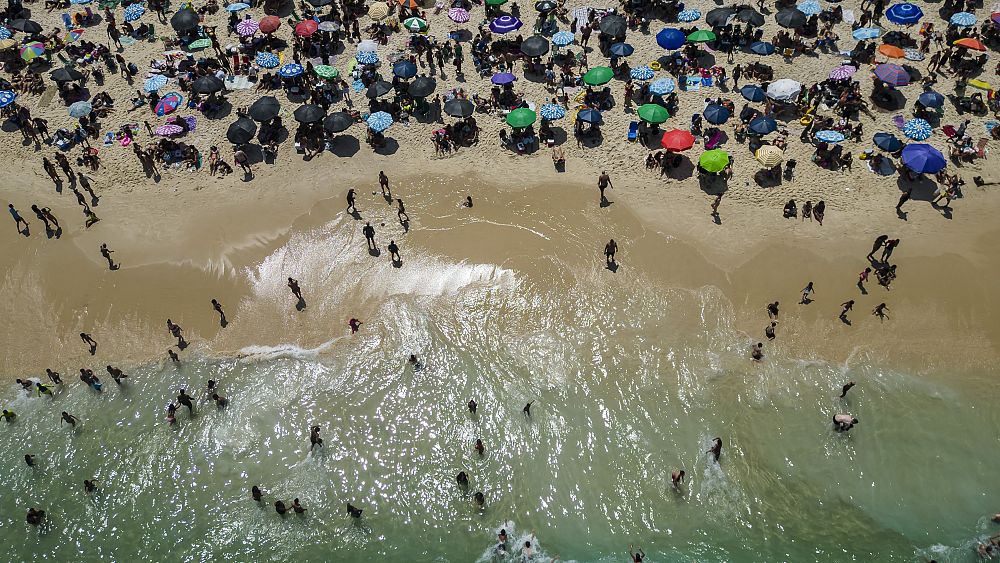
{"x":241,"y":158}
{"x":862,"y":278}
{"x":293,"y":284}
{"x":604,"y":182}
{"x":880,"y":311}
{"x":89,"y":341}
{"x":879,"y":243}
{"x":903,"y":198}
{"x":890,"y":245}
{"x":106,"y":253}
{"x":401,"y":212}
{"x":394,"y":252}
{"x":18,"y":220}
{"x":383,"y":182}
{"x":53,"y":376}
{"x":369,"y":231}
{"x":350,"y":202}
{"x":844,"y":308}
{"x":806,"y":292}
{"x":610,"y":250}
{"x":715,"y":205}
{"x":846,"y":388}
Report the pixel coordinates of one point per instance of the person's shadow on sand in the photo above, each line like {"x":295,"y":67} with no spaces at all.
{"x":397,"y":263}
{"x":613,"y":266}
{"x":300,"y":304}
{"x":355,"y":215}
{"x":374,"y":252}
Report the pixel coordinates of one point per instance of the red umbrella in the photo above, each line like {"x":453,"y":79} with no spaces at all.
{"x":971,"y":43}
{"x":305,"y":28}
{"x":409,"y":3}
{"x":677,"y":140}
{"x":269,"y":24}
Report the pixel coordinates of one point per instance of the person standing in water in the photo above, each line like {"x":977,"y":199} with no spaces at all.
{"x":256,"y":493}
{"x":603,"y":183}
{"x":222,"y":315}
{"x":369,"y":231}
{"x":383,"y":182}
{"x":314,"y":439}
{"x":757,"y":352}
{"x":843,"y":422}
{"x":716,"y":449}
{"x":527,"y":410}
{"x":610,"y":250}
{"x":68,"y":418}
{"x":29,"y":459}
{"x":401,"y":212}
{"x":480,"y":448}
{"x":677,"y":478}
{"x":89,"y":486}
{"x":847,"y":387}
{"x":637,"y":555}
{"x":355,"y":325}
{"x":173,"y":356}
{"x":184,"y":399}
{"x":394,"y":251}
{"x":772,"y":310}
{"x":89,"y":340}
{"x":293,"y":284}
{"x":462,"y":479}
{"x":350,"y":202}
{"x":473,"y":405}
{"x":769,"y":330}
{"x":106,"y":253}
{"x":53,"y":376}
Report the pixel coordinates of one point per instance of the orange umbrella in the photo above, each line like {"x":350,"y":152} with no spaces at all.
{"x":970,"y":43}
{"x":409,"y":3}
{"x":269,"y":24}
{"x":891,"y":51}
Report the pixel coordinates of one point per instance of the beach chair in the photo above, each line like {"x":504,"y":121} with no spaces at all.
{"x":949,"y":131}
{"x":981,"y":147}
{"x":633,"y":131}
{"x":713,"y":141}
{"x":67,"y":22}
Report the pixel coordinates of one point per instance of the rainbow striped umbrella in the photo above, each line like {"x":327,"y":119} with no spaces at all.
{"x":32,"y":50}
{"x":168,"y":103}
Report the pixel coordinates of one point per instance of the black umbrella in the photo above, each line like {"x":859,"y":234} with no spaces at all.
{"x":458,"y":107}
{"x":319,"y":3}
{"x":26,"y":26}
{"x":422,"y":87}
{"x":535,"y":46}
{"x":265,"y":109}
{"x":613,"y":25}
{"x":207,"y":85}
{"x":337,"y":122}
{"x":719,"y":16}
{"x":791,"y":18}
{"x":66,"y":74}
{"x":379,"y":88}
{"x":184,"y":20}
{"x":750,"y":16}
{"x":241,"y":131}
{"x":309,"y":113}
{"x":545,"y":6}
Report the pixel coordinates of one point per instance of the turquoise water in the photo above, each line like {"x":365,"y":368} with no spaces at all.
{"x":629,"y":381}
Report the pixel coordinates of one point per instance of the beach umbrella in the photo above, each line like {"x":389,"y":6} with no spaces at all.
{"x":688,"y":15}
{"x":545,"y":6}
{"x":155,"y":82}
{"x":621,"y":49}
{"x":378,"y":88}
{"x":308,"y":113}
{"x":328,"y":26}
{"x":458,"y":107}
{"x":892,"y":74}
{"x":810,"y":8}
{"x":460,"y":15}
{"x":80,"y":109}
{"x":653,"y":113}
{"x":306,"y":28}
{"x":27,"y":26}
{"x":505,"y":24}
{"x":641,"y":73}
{"x":923,"y":158}
{"x":891,"y":51}
{"x":319,"y":4}
{"x":913,"y":55}
{"x":677,"y":140}
{"x":562,"y":38}
{"x":378,"y":11}
{"x":415,"y":25}
{"x":828,"y":136}
{"x":411,"y":4}
{"x":367,"y":46}
{"x":613,"y":25}
{"x":790,"y":18}
{"x":904,"y":14}
{"x":963,"y":19}
{"x":750,"y":16}
{"x":783,"y":90}
{"x":719,"y":16}
{"x":863,"y":33}
{"x":714,"y":160}
{"x":78,"y":2}
{"x":326,"y":71}
{"x":496,"y":2}
{"x":338,"y":121}
{"x":291,"y":70}
{"x":184,"y":20}
{"x":168,"y":130}
{"x":168,"y":103}
{"x":975,"y":83}
{"x":134,"y":12}
{"x":520,"y":118}
{"x":237,"y":7}
{"x":701,"y":36}
{"x":887,"y":142}
{"x":7,"y":97}
{"x":6,"y":43}
{"x":970,"y":43}
{"x":207,"y":85}
{"x":670,"y":38}
{"x":73,"y":34}
{"x":761,"y":48}
{"x":379,"y":121}
{"x":503,"y":78}
{"x":4,"y":33}
{"x":931,"y":99}
{"x":769,"y":156}
{"x":404,"y":69}
{"x":265,"y":108}
{"x":535,"y":46}
{"x":716,"y":114}
{"x":30,"y":51}
{"x":917,"y":129}
{"x":269,"y":24}
{"x":753,"y":93}
{"x":842,"y":72}
{"x":591,"y":116}
{"x":265,"y":59}
{"x":241,"y":131}
{"x":422,"y":87}
{"x":66,"y":74}
{"x":762,"y":125}
{"x":662,"y":86}
{"x":199,"y":44}
{"x":552,"y":112}
{"x":598,"y":75}
{"x":366,"y":57}
{"x":247,"y":27}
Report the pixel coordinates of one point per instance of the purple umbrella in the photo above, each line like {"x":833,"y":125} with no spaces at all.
{"x":892,"y":74}
{"x":169,"y":130}
{"x":247,"y":27}
{"x":503,"y":78}
{"x":505,"y":24}
{"x":923,"y":158}
{"x":842,"y":72}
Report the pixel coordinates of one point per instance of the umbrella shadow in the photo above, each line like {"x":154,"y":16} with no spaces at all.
{"x":712,"y":184}
{"x":921,"y":190}
{"x":225,"y":109}
{"x":559,"y":135}
{"x":683,"y":170}
{"x":9,"y":126}
{"x":255,"y":154}
{"x":591,"y":140}
{"x":891,"y":100}
{"x":389,"y":147}
{"x":345,"y":146}
{"x":766,"y":179}
{"x":283,"y":9}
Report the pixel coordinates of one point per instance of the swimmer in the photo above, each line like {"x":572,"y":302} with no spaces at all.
{"x":29,"y":459}
{"x":769,"y":330}
{"x":468,"y":201}
{"x":173,"y":355}
{"x":297,"y":507}
{"x":636,"y":556}
{"x":847,"y":387}
{"x":757,"y":352}
{"x":116,"y":374}
{"x":35,"y":516}
{"x":502,"y":537}
{"x":171,"y":414}
{"x":314,"y":439}
{"x":279,"y":507}
{"x":527,"y":409}
{"x":996,"y":518}
{"x":772,"y":310}
{"x":843,"y":422}
{"x":462,"y":479}
{"x":66,"y":417}
{"x":43,"y":389}
{"x":480,"y":498}
{"x":220,"y":401}
{"x":472,"y":406}
{"x":526,"y":551}
{"x":354,"y":511}
{"x":677,"y":478}
{"x":54,"y":376}
{"x":210,"y":387}
{"x":480,"y":448}
{"x":413,"y":361}
{"x":25,"y":384}
{"x":8,"y":415}
{"x":716,"y":449}
{"x":256,"y":493}
{"x":355,"y":325}
{"x":184,"y":399}
{"x":89,"y":486}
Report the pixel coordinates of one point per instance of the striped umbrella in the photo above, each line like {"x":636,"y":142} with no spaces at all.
{"x":828,"y":136}
{"x":134,"y":12}
{"x":459,"y":15}
{"x":863,"y":33}
{"x":563,"y":38}
{"x":32,"y":50}
{"x":842,"y":72}
{"x":265,"y":59}
{"x":662,"y":86}
{"x":378,"y":11}
{"x":4,"y":33}
{"x":892,"y":74}
{"x":904,"y":14}
{"x":641,"y":73}
{"x":7,"y":97}
{"x":963,"y":19}
{"x":326,"y":71}
{"x":505,"y":24}
{"x":688,"y":15}
{"x":379,"y":121}
{"x":291,"y":69}
{"x":72,"y":35}
{"x":769,"y":156}
{"x":415,"y":25}
{"x":366,"y":58}
{"x":913,"y":55}
{"x":168,"y":130}
{"x":155,"y":82}
{"x":810,"y":8}
{"x":168,"y":103}
{"x":237,"y":7}
{"x":917,"y":129}
{"x":552,"y":112}
{"x":247,"y":27}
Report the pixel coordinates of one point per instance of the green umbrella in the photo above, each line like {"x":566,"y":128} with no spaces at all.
{"x":652,"y":113}
{"x":326,"y":71}
{"x":415,"y":24}
{"x":200,"y":44}
{"x":714,"y":160}
{"x":521,"y":117}
{"x":496,"y":2}
{"x":701,"y":36}
{"x":598,"y":75}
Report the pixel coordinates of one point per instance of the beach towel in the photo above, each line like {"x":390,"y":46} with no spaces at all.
{"x":849,"y":17}
{"x":46,"y":98}
{"x":693,"y":83}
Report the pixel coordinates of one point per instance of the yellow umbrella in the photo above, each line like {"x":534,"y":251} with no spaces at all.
{"x":980,"y":84}
{"x":7,"y":44}
{"x":378,"y":11}
{"x":770,"y":156}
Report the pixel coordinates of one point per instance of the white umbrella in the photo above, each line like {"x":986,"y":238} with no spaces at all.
{"x":783,"y":90}
{"x":367,"y":46}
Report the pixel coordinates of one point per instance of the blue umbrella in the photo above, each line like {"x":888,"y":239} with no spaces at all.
{"x":917,"y":129}
{"x":670,"y":38}
{"x":716,"y":114}
{"x":866,"y":33}
{"x":887,"y":142}
{"x":904,"y":14}
{"x":621,"y":49}
{"x":4,"y":33}
{"x":963,"y":19}
{"x":505,"y":24}
{"x":753,"y":93}
{"x":591,"y":116}
{"x":828,"y":136}
{"x":404,"y":69}
{"x":763,"y":125}
{"x":267,"y":60}
{"x":923,"y":158}
{"x":7,"y":97}
{"x":155,"y":82}
{"x":688,"y":15}
{"x":80,"y":1}
{"x":641,"y":73}
{"x":662,"y":86}
{"x":552,"y":112}
{"x":379,"y":121}
{"x":931,"y":99}
{"x":761,"y":48}
{"x":810,"y":8}
{"x":503,"y":78}
{"x":563,"y":38}
{"x":366,"y":58}
{"x":80,"y":109}
{"x":134,"y":12}
{"x":239,"y":6}
{"x":291,"y":69}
